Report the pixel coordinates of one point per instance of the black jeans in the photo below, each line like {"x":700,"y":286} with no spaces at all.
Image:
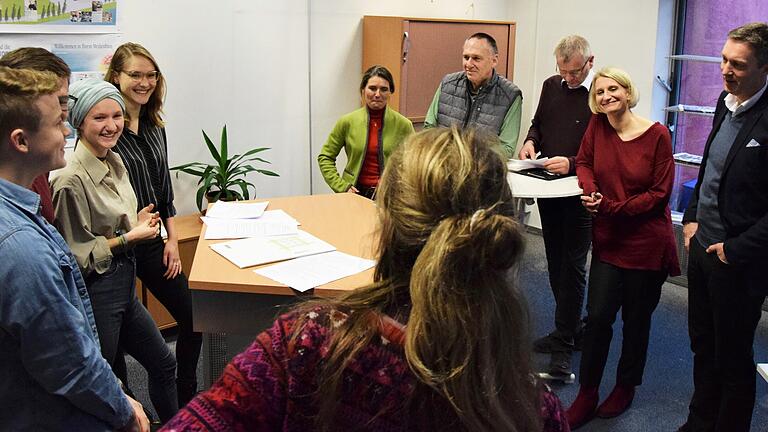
{"x":636,"y":293}
{"x":121,"y":318}
{"x":567,"y":230}
{"x":722,"y":318}
{"x":174,"y":294}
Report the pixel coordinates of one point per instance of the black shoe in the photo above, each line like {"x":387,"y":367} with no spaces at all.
{"x":551,"y":343}
{"x":546,"y":344}
{"x":560,"y":363}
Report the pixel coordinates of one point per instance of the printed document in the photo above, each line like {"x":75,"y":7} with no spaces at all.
{"x":524,"y":164}
{"x":261,"y":250}
{"x":218,"y":229}
{"x":308,"y":272}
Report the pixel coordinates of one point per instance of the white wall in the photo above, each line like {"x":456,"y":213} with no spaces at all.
{"x":281,"y":73}
{"x":622,"y":33}
{"x":240,"y":63}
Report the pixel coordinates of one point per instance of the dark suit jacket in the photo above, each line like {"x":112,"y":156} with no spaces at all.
{"x":743,"y":195}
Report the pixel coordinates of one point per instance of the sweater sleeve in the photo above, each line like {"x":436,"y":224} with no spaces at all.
{"x":250,"y":395}
{"x":327,"y":157}
{"x":657,"y":195}
{"x":534,"y":132}
{"x":585,"y":160}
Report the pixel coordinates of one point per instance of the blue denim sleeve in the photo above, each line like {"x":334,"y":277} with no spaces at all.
{"x":39,"y":309}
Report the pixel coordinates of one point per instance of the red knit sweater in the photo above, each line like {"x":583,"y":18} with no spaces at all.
{"x":632,"y":228}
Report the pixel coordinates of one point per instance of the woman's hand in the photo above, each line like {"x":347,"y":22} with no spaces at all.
{"x":146,"y":213}
{"x":171,"y":259}
{"x":146,"y":230}
{"x":592,"y":201}
{"x":352,"y":189}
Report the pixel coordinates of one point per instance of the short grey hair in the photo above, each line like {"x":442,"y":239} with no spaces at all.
{"x":572,"y":45}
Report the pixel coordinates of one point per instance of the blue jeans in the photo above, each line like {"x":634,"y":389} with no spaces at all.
{"x":121,"y":318}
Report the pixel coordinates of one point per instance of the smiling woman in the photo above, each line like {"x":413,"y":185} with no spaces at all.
{"x":95,"y":212}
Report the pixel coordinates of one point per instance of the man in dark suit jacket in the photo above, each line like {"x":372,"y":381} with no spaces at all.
{"x":726,"y":233}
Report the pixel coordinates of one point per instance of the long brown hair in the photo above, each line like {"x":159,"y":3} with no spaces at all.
{"x":447,"y":242}
{"x":154,"y":107}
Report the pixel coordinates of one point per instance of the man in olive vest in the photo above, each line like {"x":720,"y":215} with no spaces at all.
{"x":477,"y":96}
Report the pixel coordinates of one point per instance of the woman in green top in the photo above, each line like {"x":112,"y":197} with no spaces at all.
{"x":368,"y":135}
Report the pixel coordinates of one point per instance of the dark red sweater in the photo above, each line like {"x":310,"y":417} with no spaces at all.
{"x":632,"y":228}
{"x":560,"y":120}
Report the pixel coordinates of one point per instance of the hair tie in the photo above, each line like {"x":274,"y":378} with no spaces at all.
{"x":475,"y":216}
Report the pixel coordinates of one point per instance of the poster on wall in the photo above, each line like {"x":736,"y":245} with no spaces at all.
{"x":58,"y":16}
{"x":88,"y":55}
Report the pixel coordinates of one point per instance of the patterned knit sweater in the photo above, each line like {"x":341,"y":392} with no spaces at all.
{"x":271,"y":386}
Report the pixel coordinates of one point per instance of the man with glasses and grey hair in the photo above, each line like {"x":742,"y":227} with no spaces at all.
{"x":556,"y":131}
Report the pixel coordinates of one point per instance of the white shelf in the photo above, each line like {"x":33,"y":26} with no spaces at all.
{"x":698,"y":58}
{"x":708,"y":111}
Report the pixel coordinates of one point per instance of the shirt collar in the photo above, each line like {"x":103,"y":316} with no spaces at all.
{"x":95,"y":168}
{"x":733,"y":104}
{"x":587,"y":83}
{"x":21,"y":196}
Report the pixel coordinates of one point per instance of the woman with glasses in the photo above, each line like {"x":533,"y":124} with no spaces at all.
{"x":95,"y":212}
{"x":144,"y":150}
{"x":439,"y":341}
{"x":626,"y":170}
{"x":368,"y":135}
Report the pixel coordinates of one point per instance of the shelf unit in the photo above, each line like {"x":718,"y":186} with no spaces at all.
{"x":693,"y":109}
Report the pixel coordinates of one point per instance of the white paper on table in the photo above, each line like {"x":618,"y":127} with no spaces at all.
{"x":523,"y":164}
{"x":278,"y":216}
{"x":763,"y":369}
{"x":308,"y":272}
{"x":261,"y":250}
{"x":236,"y":210}
{"x":218,"y":229}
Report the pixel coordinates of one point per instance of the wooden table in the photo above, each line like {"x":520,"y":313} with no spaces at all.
{"x":239,"y":303}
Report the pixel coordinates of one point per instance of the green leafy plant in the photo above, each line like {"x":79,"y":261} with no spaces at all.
{"x":225,"y":179}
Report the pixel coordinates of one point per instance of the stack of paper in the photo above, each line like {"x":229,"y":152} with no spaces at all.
{"x":236,"y":210}
{"x":763,"y":369}
{"x":246,"y":220}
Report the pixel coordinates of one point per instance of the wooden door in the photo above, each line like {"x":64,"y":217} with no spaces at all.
{"x":434,"y":49}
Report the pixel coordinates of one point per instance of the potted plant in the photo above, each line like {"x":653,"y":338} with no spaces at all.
{"x":225,"y":179}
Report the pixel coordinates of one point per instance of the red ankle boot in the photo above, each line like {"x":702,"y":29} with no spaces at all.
{"x":582,"y":410}
{"x":617,"y":402}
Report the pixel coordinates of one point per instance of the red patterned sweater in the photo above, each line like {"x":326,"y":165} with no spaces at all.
{"x":271,"y":387}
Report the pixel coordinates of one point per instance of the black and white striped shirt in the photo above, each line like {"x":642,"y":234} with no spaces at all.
{"x":146,"y":157}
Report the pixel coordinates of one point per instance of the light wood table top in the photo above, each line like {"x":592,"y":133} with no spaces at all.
{"x":345,"y":220}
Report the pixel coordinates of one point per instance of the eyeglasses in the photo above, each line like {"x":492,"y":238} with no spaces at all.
{"x":572,"y":72}
{"x":151,"y":76}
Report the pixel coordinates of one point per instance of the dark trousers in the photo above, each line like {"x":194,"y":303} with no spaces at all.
{"x":722,"y":318}
{"x":567,"y":230}
{"x":174,"y":294}
{"x":121,"y":318}
{"x":636,"y":293}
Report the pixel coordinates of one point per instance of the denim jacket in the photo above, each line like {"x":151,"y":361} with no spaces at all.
{"x":52,"y":374}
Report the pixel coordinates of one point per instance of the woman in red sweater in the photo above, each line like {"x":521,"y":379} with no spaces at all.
{"x":438,"y":341}
{"x":626,"y":170}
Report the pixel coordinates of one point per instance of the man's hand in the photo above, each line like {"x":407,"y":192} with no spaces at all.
{"x":140,"y":421}
{"x":689,"y":229}
{"x":558,"y":165}
{"x":719,"y":250}
{"x":528,"y":151}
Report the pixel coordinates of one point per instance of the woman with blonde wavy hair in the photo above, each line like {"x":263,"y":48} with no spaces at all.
{"x":439,"y":339}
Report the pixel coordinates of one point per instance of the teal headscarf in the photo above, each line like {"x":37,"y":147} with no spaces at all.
{"x":84,"y":94}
